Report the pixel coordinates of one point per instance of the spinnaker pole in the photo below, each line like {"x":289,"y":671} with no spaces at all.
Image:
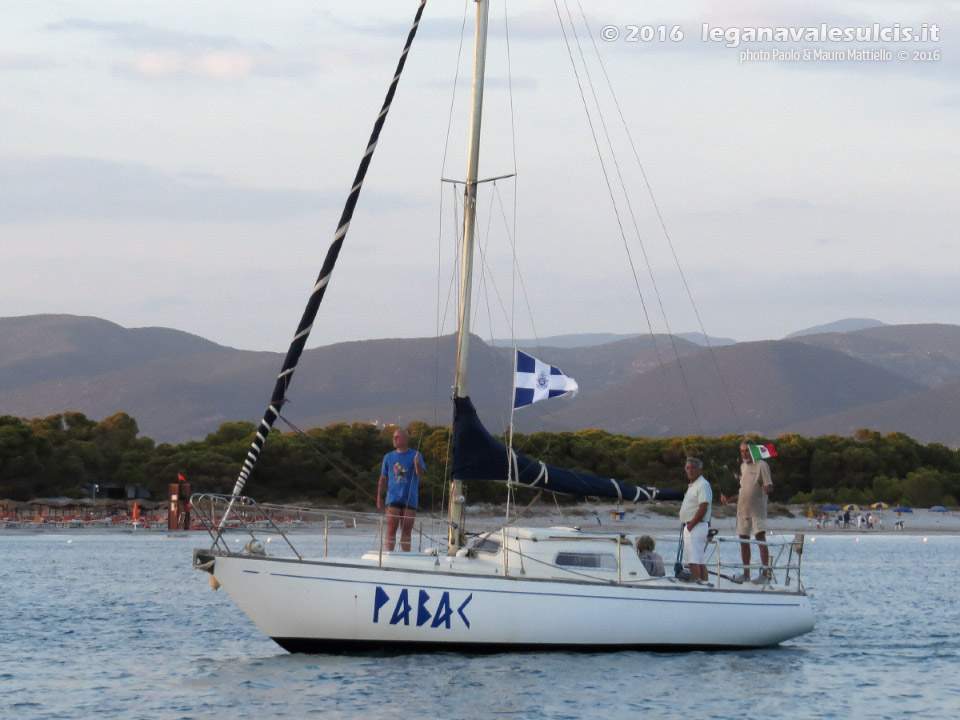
{"x":323,"y":279}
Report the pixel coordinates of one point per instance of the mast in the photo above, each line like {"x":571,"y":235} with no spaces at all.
{"x":470,"y":199}
{"x":457,"y":502}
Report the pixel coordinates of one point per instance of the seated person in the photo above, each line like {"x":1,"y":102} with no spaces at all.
{"x":651,"y":560}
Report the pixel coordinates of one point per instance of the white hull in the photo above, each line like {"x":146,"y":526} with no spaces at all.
{"x":519,"y":589}
{"x":325,"y":606}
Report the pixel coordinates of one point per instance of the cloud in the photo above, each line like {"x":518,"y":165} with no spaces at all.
{"x":24,"y":61}
{"x":56,"y":187}
{"x":171,"y":63}
{"x":158,"y":53}
{"x":780,"y":204}
{"x":139,"y":36}
{"x":43,"y":188}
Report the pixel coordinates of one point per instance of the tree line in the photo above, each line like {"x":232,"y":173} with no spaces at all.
{"x":65,"y":454}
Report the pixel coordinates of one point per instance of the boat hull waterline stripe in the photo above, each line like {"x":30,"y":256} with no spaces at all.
{"x":327,"y":646}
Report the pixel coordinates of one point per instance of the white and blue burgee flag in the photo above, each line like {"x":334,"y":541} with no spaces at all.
{"x":537,"y":381}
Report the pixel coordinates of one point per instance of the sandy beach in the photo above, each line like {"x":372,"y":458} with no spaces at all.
{"x":661,"y":518}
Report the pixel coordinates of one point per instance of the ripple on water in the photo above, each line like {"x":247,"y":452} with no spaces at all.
{"x":122,"y":627}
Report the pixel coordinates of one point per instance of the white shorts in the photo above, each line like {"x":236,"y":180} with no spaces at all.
{"x":694,"y":544}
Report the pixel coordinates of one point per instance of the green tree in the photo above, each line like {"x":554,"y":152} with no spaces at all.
{"x":923,"y":488}
{"x":825,"y":466}
{"x":22,"y":457}
{"x":859,"y":466}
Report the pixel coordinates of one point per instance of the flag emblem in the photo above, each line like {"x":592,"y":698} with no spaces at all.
{"x":536,"y":380}
{"x":762,"y":452}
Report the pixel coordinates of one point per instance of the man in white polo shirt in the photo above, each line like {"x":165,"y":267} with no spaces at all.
{"x":695,"y":516}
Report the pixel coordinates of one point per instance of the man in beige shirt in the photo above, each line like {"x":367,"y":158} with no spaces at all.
{"x":755,"y":486}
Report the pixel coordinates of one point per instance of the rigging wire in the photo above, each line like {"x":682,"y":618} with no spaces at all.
{"x":487,"y":283}
{"x":312,"y":443}
{"x":603,"y":165}
{"x":513,"y":145}
{"x":517,"y":275}
{"x":441,"y":318}
{"x":453,"y":289}
{"x":663,"y":227}
{"x":596,"y":142}
{"x":633,"y":217}
{"x":622,"y":187}
{"x":487,"y":287}
{"x":487,"y":278}
{"x":627,"y":197}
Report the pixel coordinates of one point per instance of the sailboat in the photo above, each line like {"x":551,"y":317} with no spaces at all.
{"x":515,"y":588}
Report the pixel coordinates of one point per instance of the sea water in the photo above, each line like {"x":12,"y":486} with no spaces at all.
{"x":113,"y":625}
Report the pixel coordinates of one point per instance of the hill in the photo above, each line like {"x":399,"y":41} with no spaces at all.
{"x":180,"y":387}
{"x":749,"y":386}
{"x":839,"y":326}
{"x":928,"y":354}
{"x":53,"y":347}
{"x":593,"y":339}
{"x":931,"y":416}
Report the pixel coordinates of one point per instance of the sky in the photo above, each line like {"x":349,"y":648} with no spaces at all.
{"x":183,"y":164}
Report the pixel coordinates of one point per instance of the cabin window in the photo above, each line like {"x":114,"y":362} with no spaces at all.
{"x":487,"y":545}
{"x":601,"y":561}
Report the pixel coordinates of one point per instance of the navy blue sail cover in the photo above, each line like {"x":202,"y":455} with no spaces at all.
{"x":477,"y":455}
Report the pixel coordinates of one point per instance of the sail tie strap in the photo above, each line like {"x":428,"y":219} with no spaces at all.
{"x":544,"y":473}
{"x":616,"y":487}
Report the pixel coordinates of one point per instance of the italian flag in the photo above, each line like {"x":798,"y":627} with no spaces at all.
{"x":762,"y":452}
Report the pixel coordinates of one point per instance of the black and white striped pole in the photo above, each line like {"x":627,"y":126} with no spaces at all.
{"x":323,"y":279}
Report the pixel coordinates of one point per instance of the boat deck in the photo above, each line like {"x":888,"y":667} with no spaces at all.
{"x":560,"y":553}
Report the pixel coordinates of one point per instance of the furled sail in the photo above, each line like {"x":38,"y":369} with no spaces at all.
{"x":477,"y":455}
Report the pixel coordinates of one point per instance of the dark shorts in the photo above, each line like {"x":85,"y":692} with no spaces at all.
{"x":402,"y":506}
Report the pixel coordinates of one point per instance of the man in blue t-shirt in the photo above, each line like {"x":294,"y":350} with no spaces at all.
{"x":400,"y":478}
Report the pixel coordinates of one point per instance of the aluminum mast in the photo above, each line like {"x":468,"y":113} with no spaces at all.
{"x":466,"y":270}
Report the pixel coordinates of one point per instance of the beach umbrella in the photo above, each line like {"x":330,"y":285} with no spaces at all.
{"x":13,"y":506}
{"x":852,"y":508}
{"x":829,"y":508}
{"x":938,"y":508}
{"x":880,"y":506}
{"x":901,"y":509}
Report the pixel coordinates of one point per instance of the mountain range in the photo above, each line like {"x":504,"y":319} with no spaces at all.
{"x":839,"y":378}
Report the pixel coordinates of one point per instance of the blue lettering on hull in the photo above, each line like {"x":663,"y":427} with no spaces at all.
{"x":439,"y":615}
